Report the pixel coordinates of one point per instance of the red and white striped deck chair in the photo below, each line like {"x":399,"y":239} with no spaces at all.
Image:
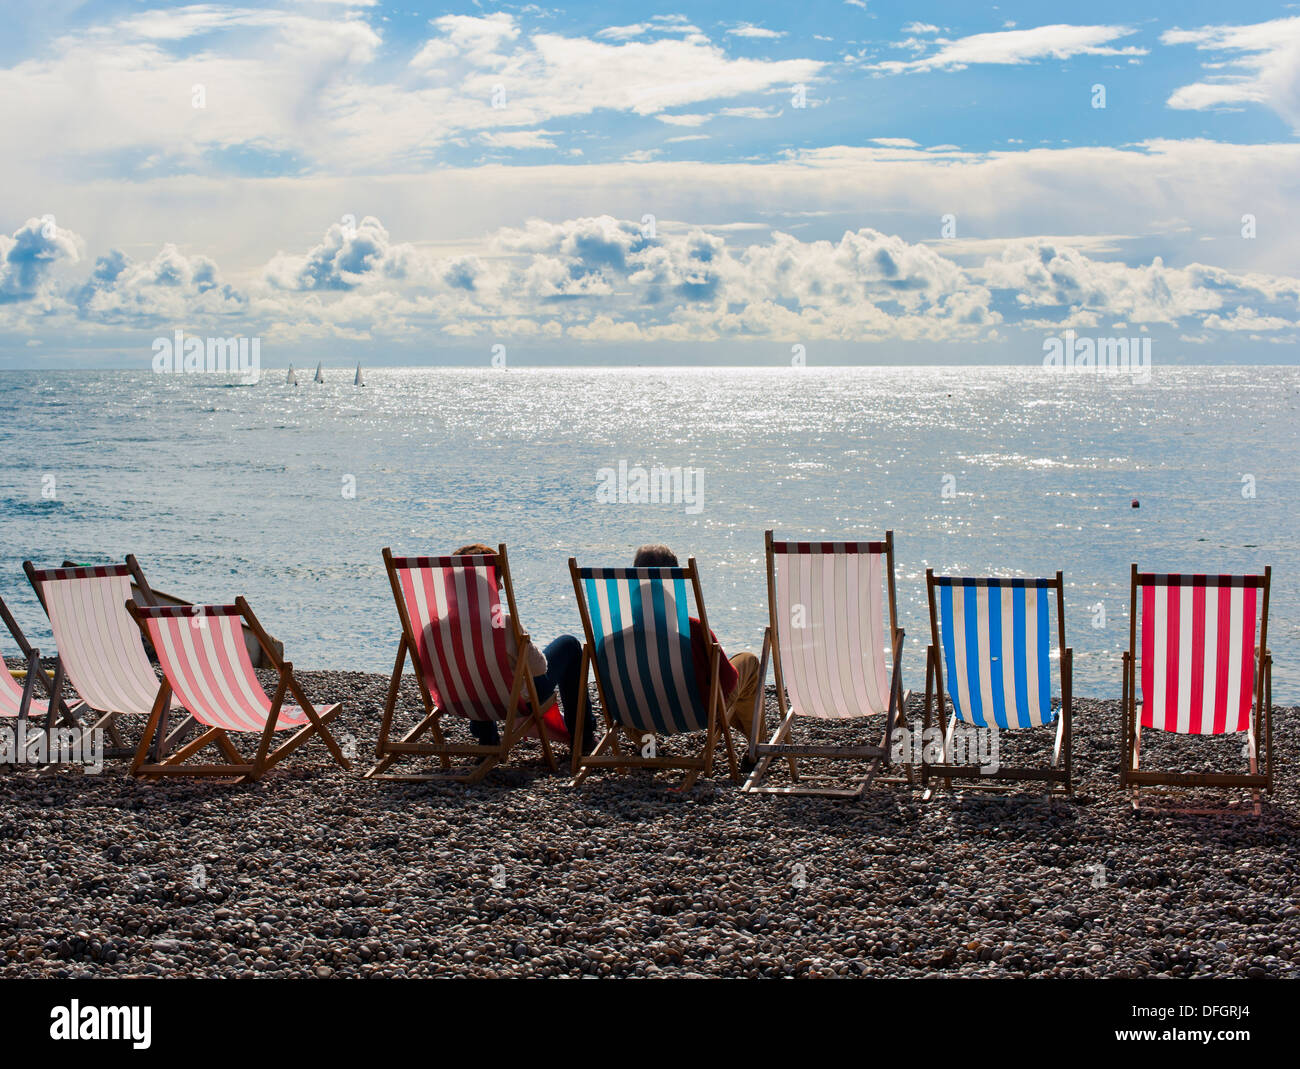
{"x":835,"y":656}
{"x":207,"y":668}
{"x":1195,"y":667}
{"x":99,"y":645}
{"x":454,"y":630}
{"x":19,"y":703}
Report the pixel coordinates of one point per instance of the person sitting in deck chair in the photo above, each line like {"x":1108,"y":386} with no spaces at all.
{"x":555,"y":668}
{"x":737,"y":676}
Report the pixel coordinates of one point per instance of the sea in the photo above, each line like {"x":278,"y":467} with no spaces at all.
{"x":287,"y":494}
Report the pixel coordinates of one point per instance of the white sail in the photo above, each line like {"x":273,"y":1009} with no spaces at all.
{"x":292,"y":379}
{"x":319,"y":377}
{"x":358,"y":381}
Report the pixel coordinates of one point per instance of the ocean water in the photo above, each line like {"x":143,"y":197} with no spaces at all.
{"x":222,"y":489}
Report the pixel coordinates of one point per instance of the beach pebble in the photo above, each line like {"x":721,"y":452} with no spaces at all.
{"x":318,"y":873}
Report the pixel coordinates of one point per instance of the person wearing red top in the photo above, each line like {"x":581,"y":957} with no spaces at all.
{"x":737,"y":676}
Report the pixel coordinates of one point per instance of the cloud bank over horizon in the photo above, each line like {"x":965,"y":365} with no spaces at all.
{"x":332,"y":176}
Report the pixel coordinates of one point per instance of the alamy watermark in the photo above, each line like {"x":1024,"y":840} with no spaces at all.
{"x":970,"y":745}
{"x":194,"y":355}
{"x":67,"y":746}
{"x":75,"y":1021}
{"x":636,"y":485}
{"x":1119,"y":356}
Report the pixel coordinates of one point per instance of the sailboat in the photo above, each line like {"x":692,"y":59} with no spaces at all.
{"x":358,"y":381}
{"x":292,"y":379}
{"x":319,"y":377}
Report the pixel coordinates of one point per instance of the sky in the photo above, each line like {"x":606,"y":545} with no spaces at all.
{"x":624,"y":183}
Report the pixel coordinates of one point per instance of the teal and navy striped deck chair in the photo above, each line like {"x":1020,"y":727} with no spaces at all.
{"x":993,"y":638}
{"x":638,"y":645}
{"x":836,"y":650}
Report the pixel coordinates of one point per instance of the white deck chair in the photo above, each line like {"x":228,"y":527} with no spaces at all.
{"x":99,"y":644}
{"x":833,"y":653}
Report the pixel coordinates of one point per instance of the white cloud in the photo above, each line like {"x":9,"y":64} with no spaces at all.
{"x":598,"y":278}
{"x":1019,"y":46}
{"x":308,"y":88}
{"x":920,"y":28}
{"x":658,"y":24}
{"x":1244,"y":318}
{"x":28,"y":257}
{"x":749,"y":30}
{"x":750,"y":113}
{"x":519,"y":139}
{"x":348,"y":257}
{"x":171,"y":287}
{"x":684,"y":120}
{"x":1265,"y":71}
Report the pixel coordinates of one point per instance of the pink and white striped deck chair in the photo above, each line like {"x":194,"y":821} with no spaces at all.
{"x":454,"y":630}
{"x":99,"y":645}
{"x":1195,"y":667}
{"x":19,"y":703}
{"x":207,"y":668}
{"x":835,"y":656}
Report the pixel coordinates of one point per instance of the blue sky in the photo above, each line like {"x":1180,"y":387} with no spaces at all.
{"x":625,"y":183}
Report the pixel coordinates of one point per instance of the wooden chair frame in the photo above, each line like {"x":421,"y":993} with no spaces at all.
{"x":763,"y":753}
{"x":514,"y":728}
{"x":106,"y":721}
{"x":1057,"y":778}
{"x":1261,"y":719}
{"x":163,"y":761}
{"x":607,"y":754}
{"x":57,"y":708}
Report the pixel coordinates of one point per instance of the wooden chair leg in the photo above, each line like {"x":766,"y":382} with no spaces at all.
{"x":155,"y":719}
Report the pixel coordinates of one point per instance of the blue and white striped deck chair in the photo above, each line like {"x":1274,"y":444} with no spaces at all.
{"x":836,"y":651}
{"x":996,"y":641}
{"x":637,"y":626}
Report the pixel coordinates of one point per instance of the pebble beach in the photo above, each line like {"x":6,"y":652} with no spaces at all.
{"x":315,"y":872}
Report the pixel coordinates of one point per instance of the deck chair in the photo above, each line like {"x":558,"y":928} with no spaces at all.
{"x":1201,"y":673}
{"x":19,"y":703}
{"x":452,"y":629}
{"x":995,"y":636}
{"x":99,"y":645}
{"x":638,"y":646}
{"x":206,"y":667}
{"x":832,"y":657}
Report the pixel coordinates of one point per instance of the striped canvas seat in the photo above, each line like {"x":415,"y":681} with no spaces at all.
{"x":637,"y":624}
{"x":204,"y":657}
{"x":1196,"y":659}
{"x":997,"y":650}
{"x":834,"y":652}
{"x":452,"y":603}
{"x":459,"y":637}
{"x":991,"y":655}
{"x":99,"y":646}
{"x":836,"y":649}
{"x":207,"y":668}
{"x":20,"y":701}
{"x":642,"y":641}
{"x":11,"y":699}
{"x":1198,"y":664}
